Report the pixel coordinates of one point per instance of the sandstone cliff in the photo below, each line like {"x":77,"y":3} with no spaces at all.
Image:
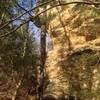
{"x":75,"y":57}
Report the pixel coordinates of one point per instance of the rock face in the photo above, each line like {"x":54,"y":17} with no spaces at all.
{"x":75,"y":29}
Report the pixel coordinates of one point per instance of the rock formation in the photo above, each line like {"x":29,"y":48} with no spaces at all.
{"x":76,"y":40}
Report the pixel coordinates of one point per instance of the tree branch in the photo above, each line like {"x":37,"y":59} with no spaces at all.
{"x":64,"y":4}
{"x":10,"y":21}
{"x":23,"y":8}
{"x":61,"y":4}
{"x":14,"y":29}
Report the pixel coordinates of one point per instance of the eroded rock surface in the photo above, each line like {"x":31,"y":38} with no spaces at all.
{"x":78,"y":30}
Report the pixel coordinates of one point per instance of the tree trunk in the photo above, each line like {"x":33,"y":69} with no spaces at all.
{"x":43,"y":58}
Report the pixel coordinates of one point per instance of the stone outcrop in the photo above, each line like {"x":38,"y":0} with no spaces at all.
{"x":79,"y":30}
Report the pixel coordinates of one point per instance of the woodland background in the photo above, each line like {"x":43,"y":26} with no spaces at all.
{"x":49,"y":49}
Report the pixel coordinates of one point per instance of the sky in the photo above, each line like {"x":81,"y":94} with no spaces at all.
{"x":32,"y":28}
{"x":27,"y":6}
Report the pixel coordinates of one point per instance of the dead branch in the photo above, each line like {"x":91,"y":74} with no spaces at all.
{"x":60,"y":4}
{"x":10,"y":21}
{"x":33,"y":18}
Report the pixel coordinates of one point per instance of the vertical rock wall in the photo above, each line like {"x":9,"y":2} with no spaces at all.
{"x":71,"y":26}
